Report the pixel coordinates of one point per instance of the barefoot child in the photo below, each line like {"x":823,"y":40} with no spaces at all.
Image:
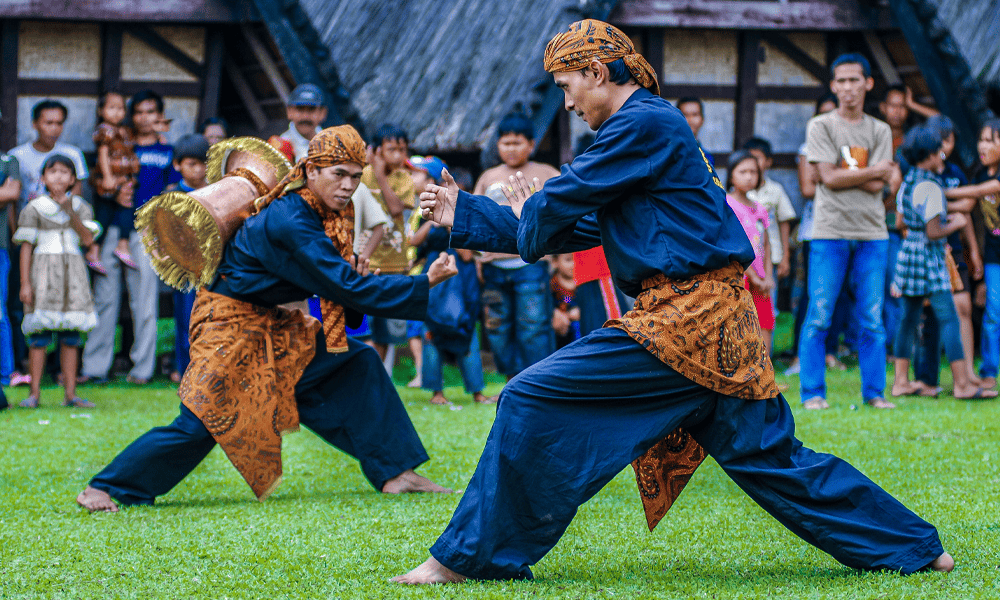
{"x":987,"y":189}
{"x":117,"y":164}
{"x":390,"y":182}
{"x":54,"y":286}
{"x":566,"y":311}
{"x":744,"y":177}
{"x":921,"y":273}
{"x":450,"y":328}
{"x":190,"y":158}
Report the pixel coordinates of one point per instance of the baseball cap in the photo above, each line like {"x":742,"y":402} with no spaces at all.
{"x":307,"y":94}
{"x":431,"y":165}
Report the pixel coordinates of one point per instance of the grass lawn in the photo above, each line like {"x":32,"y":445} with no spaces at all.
{"x":325,"y":533}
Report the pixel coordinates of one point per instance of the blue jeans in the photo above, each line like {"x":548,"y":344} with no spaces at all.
{"x":990,"y":342}
{"x":470,"y":365}
{"x":6,"y":333}
{"x":892,"y":311}
{"x":946,"y":319}
{"x":830,"y":262}
{"x":517,"y":307}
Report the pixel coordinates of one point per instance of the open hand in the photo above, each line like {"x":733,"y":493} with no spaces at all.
{"x":361,"y":265}
{"x":442,"y":269}
{"x":519,"y":191}
{"x":438,"y":202}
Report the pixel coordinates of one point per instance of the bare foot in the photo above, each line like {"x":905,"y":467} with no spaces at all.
{"x":408,"y":481}
{"x":479,"y":398}
{"x":415,"y":382}
{"x":816,"y":403}
{"x":973,"y":393}
{"x":96,"y":501}
{"x":943,"y":564}
{"x":438,"y":398}
{"x":912,"y":388}
{"x":434,"y":572}
{"x":880,"y":403}
{"x":988,"y":382}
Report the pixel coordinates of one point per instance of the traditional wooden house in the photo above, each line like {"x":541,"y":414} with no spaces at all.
{"x":447,"y":71}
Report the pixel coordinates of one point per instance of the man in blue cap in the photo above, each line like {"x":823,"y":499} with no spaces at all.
{"x":306,"y":111}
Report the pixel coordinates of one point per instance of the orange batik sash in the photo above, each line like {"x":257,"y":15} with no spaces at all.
{"x":706,"y":329}
{"x":245,"y":362}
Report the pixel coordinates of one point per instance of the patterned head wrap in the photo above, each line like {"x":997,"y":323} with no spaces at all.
{"x":589,"y":39}
{"x":332,"y":146}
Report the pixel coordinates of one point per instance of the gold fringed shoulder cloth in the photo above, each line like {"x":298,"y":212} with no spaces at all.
{"x":706,"y":329}
{"x":245,"y":362}
{"x":185,"y":232}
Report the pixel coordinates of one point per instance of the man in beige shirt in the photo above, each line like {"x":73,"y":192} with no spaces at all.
{"x":853,"y":154}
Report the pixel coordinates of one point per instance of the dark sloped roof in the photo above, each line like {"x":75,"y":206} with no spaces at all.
{"x":934,"y":29}
{"x":444,"y":70}
{"x":975,"y":26}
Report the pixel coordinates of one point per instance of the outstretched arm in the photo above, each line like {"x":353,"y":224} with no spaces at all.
{"x":479,"y":223}
{"x":616,"y":162}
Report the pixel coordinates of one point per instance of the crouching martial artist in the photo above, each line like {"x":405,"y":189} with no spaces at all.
{"x":257,"y":370}
{"x":682,"y":374}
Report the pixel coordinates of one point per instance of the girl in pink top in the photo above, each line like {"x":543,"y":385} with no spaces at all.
{"x":743,"y":176}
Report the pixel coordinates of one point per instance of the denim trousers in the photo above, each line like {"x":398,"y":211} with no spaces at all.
{"x":6,"y":333}
{"x":517,"y":314}
{"x":990,"y":342}
{"x":892,"y":310}
{"x":862,"y":264}
{"x":470,"y":365}
{"x":946,"y":319}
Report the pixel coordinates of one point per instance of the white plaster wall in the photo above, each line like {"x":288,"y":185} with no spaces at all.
{"x":717,"y":133}
{"x":699,"y":56}
{"x":80,"y":123}
{"x":55,"y":50}
{"x":142,"y":63}
{"x":783,"y":123}
{"x":778,"y":69}
{"x":184,"y":112}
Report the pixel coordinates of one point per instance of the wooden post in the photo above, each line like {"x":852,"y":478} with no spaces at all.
{"x":652,"y":41}
{"x":215,"y":49}
{"x":246,"y":94}
{"x":746,"y":84}
{"x":267,"y":63}
{"x":8,"y":83}
{"x":882,"y":59}
{"x":111,"y":57}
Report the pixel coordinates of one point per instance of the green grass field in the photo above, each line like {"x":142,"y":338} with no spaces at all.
{"x":326,"y":534}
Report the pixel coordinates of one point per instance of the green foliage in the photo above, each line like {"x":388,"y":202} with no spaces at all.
{"x":326,"y":534}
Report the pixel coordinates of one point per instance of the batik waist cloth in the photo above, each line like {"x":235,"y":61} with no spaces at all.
{"x":706,"y":329}
{"x":245,"y":363}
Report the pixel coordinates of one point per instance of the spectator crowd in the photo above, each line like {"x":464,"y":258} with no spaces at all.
{"x":891,"y":255}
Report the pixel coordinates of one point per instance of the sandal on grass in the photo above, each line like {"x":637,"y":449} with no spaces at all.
{"x":78,"y":402}
{"x":981,"y":394}
{"x":816,"y":403}
{"x":29,"y":402}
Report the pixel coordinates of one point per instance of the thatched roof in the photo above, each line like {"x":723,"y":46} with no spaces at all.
{"x":975,"y":27}
{"x":444,"y":70}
